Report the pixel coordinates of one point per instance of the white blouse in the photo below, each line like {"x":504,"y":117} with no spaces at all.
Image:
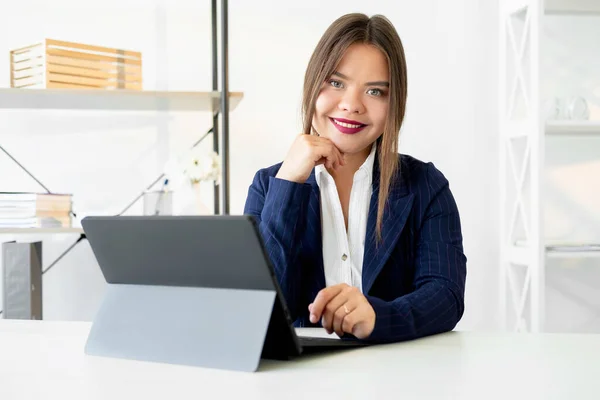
{"x":343,"y":251}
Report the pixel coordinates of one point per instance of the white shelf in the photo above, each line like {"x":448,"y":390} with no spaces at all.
{"x":30,"y":231}
{"x":126,"y":100}
{"x":572,"y":254}
{"x":573,"y":127}
{"x":519,"y":253}
{"x":572,"y":7}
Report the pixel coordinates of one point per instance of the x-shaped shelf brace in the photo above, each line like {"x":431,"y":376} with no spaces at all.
{"x":519,"y":172}
{"x":82,"y":236}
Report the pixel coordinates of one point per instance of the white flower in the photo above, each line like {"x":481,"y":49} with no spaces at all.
{"x":203,"y":167}
{"x":194,"y":166}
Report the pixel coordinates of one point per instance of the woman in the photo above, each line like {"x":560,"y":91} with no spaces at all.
{"x":363,"y":240}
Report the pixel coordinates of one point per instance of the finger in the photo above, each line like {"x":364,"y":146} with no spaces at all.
{"x":333,"y":306}
{"x":340,"y":315}
{"x":336,"y":157}
{"x":321,"y":300}
{"x":326,"y":146}
{"x":322,"y":157}
{"x":335,"y":153}
{"x":325,"y":150}
{"x":335,"y":165}
{"x":325,"y":161}
{"x":351,"y":320}
{"x":356,"y":322}
{"x":340,"y":156}
{"x":332,"y":148}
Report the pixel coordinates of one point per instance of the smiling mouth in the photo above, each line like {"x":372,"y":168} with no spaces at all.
{"x":347,"y":124}
{"x":347,"y":127}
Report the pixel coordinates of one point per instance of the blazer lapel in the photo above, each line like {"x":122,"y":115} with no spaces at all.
{"x":313,"y":238}
{"x":397,"y":209}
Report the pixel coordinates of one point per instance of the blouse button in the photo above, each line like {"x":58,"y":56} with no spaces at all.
{"x":344,"y":257}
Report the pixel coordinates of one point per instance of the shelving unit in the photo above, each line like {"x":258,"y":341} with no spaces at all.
{"x":215,"y":101}
{"x":523,"y":248}
{"x":219,"y":101}
{"x":114,"y":100}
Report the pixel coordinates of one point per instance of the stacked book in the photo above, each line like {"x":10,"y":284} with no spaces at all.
{"x":35,"y":210}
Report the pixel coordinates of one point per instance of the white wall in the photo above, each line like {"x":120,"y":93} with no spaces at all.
{"x":106,"y":158}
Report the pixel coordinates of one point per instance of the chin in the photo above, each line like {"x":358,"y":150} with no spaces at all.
{"x":349,"y":145}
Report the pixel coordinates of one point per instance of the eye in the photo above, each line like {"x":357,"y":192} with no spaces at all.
{"x":375,"y":92}
{"x":336,"y":84}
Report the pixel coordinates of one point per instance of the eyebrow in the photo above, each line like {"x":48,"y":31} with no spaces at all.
{"x":376,"y":83}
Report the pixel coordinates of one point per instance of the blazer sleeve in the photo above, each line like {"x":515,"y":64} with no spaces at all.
{"x":279,"y":207}
{"x":437,"y":302}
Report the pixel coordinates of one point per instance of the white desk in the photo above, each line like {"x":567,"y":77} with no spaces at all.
{"x":45,"y":360}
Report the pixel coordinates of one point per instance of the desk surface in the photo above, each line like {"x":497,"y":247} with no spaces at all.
{"x":46,"y":360}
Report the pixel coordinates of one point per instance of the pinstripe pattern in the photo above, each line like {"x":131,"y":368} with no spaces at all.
{"x":414,"y":278}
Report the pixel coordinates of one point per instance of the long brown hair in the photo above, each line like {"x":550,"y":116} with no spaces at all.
{"x":377,"y":31}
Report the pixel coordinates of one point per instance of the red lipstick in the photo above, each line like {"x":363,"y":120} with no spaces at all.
{"x":347,"y":126}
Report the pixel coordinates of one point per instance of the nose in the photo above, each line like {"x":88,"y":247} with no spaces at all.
{"x":351,"y":102}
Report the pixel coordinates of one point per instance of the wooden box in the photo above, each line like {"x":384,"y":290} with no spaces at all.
{"x":60,"y":64}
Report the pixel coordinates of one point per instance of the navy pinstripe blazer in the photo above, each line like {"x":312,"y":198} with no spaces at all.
{"x":414,"y":279}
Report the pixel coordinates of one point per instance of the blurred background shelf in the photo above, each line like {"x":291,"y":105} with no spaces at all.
{"x":573,"y":127}
{"x":520,"y":253}
{"x":572,"y":7}
{"x":12,"y":231}
{"x":130,"y":100}
{"x":552,"y":253}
